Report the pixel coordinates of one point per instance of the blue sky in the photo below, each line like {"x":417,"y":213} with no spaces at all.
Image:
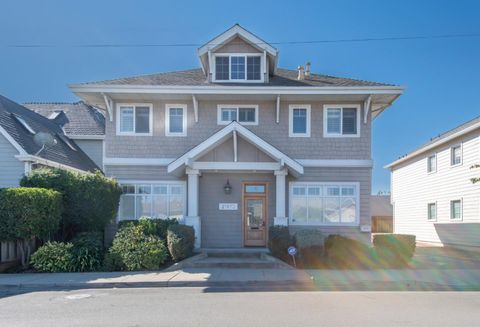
{"x":441,"y":75}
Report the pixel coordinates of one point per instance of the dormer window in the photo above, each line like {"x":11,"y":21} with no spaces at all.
{"x":238,"y":67}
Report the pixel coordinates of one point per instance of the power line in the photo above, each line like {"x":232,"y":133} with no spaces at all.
{"x":164,"y":45}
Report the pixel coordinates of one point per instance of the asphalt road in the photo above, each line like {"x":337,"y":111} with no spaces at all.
{"x":224,"y":307}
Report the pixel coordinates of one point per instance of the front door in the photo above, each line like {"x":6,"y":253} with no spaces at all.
{"x":255,"y":214}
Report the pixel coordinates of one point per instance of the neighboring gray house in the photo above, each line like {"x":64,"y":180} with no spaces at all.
{"x":432,"y":192}
{"x":19,"y":153}
{"x":81,"y":122}
{"x":239,"y":145}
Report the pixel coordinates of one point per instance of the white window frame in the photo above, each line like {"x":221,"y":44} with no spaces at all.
{"x":290,"y":120}
{"x":184,"y":119}
{"x":230,"y":55}
{"x":146,"y":182}
{"x":135,"y":105}
{"x":459,"y":145}
{"x":428,"y":211}
{"x":324,"y":184}
{"x":340,"y":106}
{"x":237,"y":107}
{"x":461,"y":210}
{"x":428,"y":163}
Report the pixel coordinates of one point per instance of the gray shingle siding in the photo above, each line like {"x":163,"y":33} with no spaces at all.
{"x":93,"y":149}
{"x":146,"y":173}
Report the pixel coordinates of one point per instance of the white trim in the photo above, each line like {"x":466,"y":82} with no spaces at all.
{"x":230,"y":79}
{"x":27,"y":167}
{"x":109,"y":105}
{"x":460,"y":145}
{"x":323,"y":184}
{"x":237,"y":107}
{"x":85,"y":137}
{"x":229,"y":34}
{"x":341,"y":107}
{"x":219,"y":165}
{"x":461,"y":210}
{"x":14,"y":143}
{"x":434,"y":144}
{"x":222,"y":135}
{"x":195,"y":108}
{"x":352,"y":163}
{"x":366,"y":108}
{"x":169,"y":106}
{"x":46,"y":162}
{"x":137,"y":161}
{"x":308,"y":108}
{"x":134,"y":105}
{"x":277,"y":119}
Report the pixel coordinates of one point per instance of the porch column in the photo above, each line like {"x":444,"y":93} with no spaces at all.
{"x":280,"y":218}
{"x":192,"y":218}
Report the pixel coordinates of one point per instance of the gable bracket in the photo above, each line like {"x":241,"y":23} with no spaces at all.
{"x":195,"y":107}
{"x":278,"y":110}
{"x":109,"y":105}
{"x":366,"y":108}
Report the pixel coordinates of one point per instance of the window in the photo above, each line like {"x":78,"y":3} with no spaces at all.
{"x":176,"y":120}
{"x":246,"y":115}
{"x":255,"y":188}
{"x":324,"y":204}
{"x":134,"y":119}
{"x":341,"y":121}
{"x":432,"y":211}
{"x":432,"y":163}
{"x":456,"y":209}
{"x":158,"y":200}
{"x":299,"y":121}
{"x":238,"y":67}
{"x":456,"y":155}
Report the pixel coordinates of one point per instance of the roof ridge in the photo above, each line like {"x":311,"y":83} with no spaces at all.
{"x":52,"y":102}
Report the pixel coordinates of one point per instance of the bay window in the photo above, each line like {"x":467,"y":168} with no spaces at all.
{"x":154,"y":200}
{"x":238,"y":67}
{"x":341,"y":121}
{"x":134,"y":119}
{"x":324,"y":203}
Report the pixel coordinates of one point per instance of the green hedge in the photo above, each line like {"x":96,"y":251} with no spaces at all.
{"x":27,"y":214}
{"x":279,"y":239}
{"x":394,"y":249}
{"x":134,"y":249}
{"x":87,"y":251}
{"x":53,"y":257}
{"x":90,"y":200}
{"x":151,"y":226}
{"x":344,"y":252}
{"x":309,"y":242}
{"x":180,"y":240}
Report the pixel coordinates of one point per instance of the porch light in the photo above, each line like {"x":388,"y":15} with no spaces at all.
{"x":227,"y":188}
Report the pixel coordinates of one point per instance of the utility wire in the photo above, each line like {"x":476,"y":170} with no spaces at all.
{"x":171,"y":45}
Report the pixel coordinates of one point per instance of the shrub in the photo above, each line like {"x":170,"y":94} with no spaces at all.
{"x":279,"y":239}
{"x":87,"y":251}
{"x":136,"y":250}
{"x":345,"y":252}
{"x":394,"y":249}
{"x":27,"y":214}
{"x":180,"y":240}
{"x":152,"y":226}
{"x":90,"y":200}
{"x":53,"y":257}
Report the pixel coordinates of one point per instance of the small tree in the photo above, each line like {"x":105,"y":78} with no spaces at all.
{"x":27,"y":214}
{"x":90,"y":200}
{"x":475,"y":179}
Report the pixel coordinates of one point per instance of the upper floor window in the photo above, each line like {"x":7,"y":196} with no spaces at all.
{"x":456,"y":155}
{"x":238,"y":67}
{"x":176,"y":120}
{"x":299,"y":121}
{"x":341,"y":121}
{"x":134,"y":119}
{"x":244,"y":114}
{"x":432,"y":163}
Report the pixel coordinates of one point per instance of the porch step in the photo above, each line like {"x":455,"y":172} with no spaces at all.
{"x":235,"y":259}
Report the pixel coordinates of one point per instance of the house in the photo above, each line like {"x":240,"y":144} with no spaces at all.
{"x":382,"y":214}
{"x":432,"y":192}
{"x":21,"y":150}
{"x":80,"y":122}
{"x":239,"y":144}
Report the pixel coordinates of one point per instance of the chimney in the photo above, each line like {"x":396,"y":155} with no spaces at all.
{"x":307,"y":68}
{"x":301,"y":73}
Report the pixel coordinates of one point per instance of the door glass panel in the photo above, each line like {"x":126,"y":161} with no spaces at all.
{"x":255,"y":213}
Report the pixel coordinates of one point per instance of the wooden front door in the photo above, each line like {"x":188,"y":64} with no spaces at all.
{"x":255,"y":214}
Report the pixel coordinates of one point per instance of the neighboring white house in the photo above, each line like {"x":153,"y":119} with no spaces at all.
{"x":432,"y":192}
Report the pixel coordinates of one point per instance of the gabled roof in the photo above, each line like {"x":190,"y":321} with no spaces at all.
{"x":21,"y":136}
{"x":231,"y":33}
{"x":458,"y":131}
{"x":81,"y":119}
{"x":222,"y":135}
{"x":195,"y":77}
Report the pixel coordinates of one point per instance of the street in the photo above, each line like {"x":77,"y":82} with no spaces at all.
{"x":230,"y":307}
